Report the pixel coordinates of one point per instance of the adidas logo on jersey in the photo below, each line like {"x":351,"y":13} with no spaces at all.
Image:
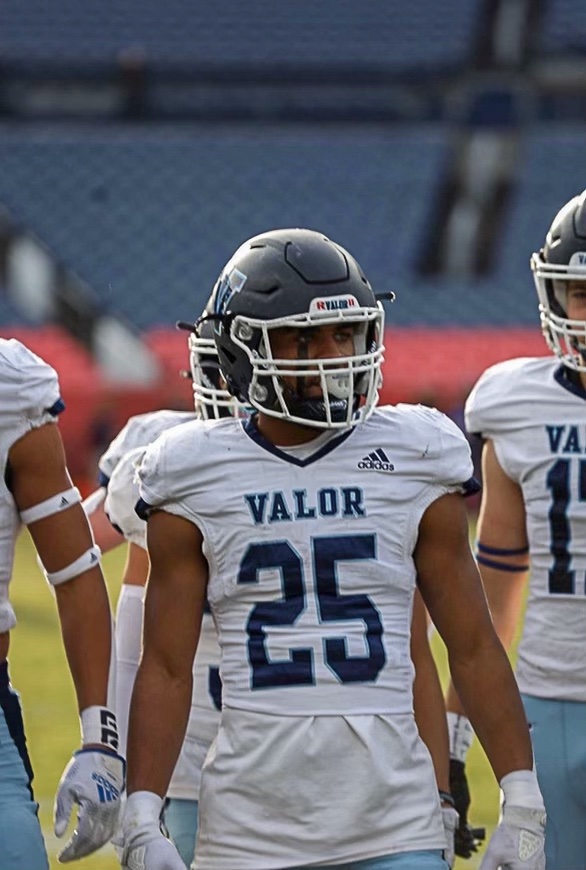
{"x":376,"y":461}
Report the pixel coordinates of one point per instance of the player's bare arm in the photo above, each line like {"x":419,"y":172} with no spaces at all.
{"x":452,"y":590}
{"x":48,"y":503}
{"x":428,"y":706}
{"x":428,"y":699}
{"x":174,"y":606}
{"x":503,"y":561}
{"x":38,"y":472}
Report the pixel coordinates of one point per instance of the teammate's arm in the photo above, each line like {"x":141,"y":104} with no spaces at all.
{"x":428,"y":699}
{"x":428,"y":704}
{"x":502,"y":558}
{"x":174,"y":605}
{"x":452,"y":590}
{"x":37,"y":474}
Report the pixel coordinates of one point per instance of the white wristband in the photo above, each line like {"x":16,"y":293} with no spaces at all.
{"x":98,"y":725}
{"x":521,"y":789}
{"x":142,"y":808}
{"x":461,"y":736}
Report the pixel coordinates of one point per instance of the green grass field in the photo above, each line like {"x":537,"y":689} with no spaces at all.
{"x":40,"y":674}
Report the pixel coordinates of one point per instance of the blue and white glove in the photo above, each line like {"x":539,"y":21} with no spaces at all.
{"x":518,"y":842}
{"x":145,"y":845}
{"x":93,"y":779}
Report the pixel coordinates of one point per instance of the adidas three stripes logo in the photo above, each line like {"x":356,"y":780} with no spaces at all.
{"x":376,"y":461}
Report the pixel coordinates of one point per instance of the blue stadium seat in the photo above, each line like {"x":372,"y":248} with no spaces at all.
{"x":563,"y":28}
{"x":551,"y":168}
{"x":148,"y":220}
{"x":373,"y":34}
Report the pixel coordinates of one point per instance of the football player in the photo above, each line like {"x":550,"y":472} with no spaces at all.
{"x":36,"y":491}
{"x":112,"y":515}
{"x":531,"y":414}
{"x":118,"y":476}
{"x":314,"y":521}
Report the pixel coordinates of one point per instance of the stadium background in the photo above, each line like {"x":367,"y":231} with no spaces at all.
{"x":141,"y":142}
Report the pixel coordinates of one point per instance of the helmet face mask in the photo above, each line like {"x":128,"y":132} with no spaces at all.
{"x":563,"y":260}
{"x":298,"y":280}
{"x":212,"y":399}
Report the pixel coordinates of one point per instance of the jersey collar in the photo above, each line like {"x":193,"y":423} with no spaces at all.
{"x":253,"y":433}
{"x":570,"y":381}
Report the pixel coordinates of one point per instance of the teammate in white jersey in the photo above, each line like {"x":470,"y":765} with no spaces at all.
{"x":112,"y":507}
{"x":314,"y":520}
{"x":532,"y":415}
{"x":36,"y":490}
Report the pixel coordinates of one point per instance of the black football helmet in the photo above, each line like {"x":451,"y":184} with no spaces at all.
{"x":563,"y":259}
{"x":297,"y":278}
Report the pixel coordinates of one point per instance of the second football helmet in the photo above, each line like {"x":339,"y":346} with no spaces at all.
{"x":563,"y":259}
{"x":211,"y":398}
{"x":297,"y":279}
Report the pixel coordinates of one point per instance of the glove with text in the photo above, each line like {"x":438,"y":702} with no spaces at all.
{"x":94,"y":780}
{"x":518,"y":842}
{"x":145,"y":845}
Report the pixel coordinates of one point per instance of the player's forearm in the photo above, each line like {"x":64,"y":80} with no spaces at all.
{"x":488,"y":691}
{"x":431,"y":720}
{"x":159,"y":712}
{"x":88,"y":644}
{"x":504,"y":592}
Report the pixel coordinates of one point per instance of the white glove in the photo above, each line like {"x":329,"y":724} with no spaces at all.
{"x":518,"y":842}
{"x":145,"y":845}
{"x":451,"y":820}
{"x":93,"y":779}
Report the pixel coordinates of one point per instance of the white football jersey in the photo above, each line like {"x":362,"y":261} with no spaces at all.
{"x":137,"y":432}
{"x":311,"y":586}
{"x":29,"y":398}
{"x":122,"y":495}
{"x":537,"y":420}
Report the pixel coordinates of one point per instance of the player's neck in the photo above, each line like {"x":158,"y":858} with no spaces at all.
{"x":282,"y":433}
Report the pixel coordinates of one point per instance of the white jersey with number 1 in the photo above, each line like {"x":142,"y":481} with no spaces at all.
{"x":318,"y":758}
{"x":536,"y":418}
{"x":122,"y":495}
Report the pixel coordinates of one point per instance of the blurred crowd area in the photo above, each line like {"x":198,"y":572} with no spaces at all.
{"x":141,"y":143}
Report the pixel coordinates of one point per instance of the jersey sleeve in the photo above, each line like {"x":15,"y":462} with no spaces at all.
{"x":125,"y":441}
{"x":29,"y":389}
{"x":446,"y":459}
{"x":456,"y":466}
{"x":167,"y":474}
{"x":502,"y":398}
{"x":121,"y":498}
